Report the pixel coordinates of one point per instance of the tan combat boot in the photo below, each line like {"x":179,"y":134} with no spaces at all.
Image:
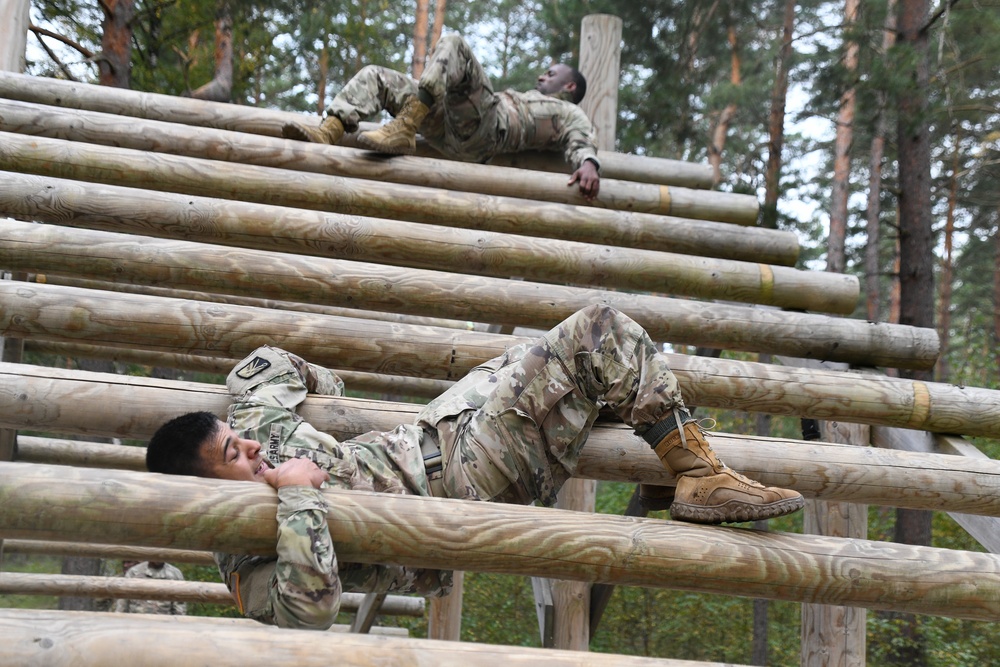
{"x":398,"y":136}
{"x":708,"y":491}
{"x":329,"y":131}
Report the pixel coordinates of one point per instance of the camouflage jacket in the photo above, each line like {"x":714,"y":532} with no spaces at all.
{"x":143,"y":570}
{"x":533,"y":121}
{"x":301,"y":587}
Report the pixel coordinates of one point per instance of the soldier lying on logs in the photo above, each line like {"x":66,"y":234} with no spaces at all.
{"x":510,"y":431}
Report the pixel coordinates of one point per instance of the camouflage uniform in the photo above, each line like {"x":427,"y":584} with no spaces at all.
{"x":144,"y":570}
{"x":467,"y":119}
{"x":509,"y":431}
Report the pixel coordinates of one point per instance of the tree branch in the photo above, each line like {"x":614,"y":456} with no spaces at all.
{"x":39,"y":32}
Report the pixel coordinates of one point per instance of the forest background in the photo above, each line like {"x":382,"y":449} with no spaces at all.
{"x":869,"y":128}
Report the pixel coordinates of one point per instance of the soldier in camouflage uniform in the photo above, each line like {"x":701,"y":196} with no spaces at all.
{"x":454,"y":107}
{"x":152,"y":570}
{"x":509,"y":431}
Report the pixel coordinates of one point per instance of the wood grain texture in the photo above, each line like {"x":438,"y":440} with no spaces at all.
{"x":268,"y":122}
{"x":56,"y":400}
{"x":24,"y":583}
{"x":35,"y":638}
{"x":172,"y":138}
{"x":154,"y":323}
{"x":257,"y":277}
{"x":56,"y":502}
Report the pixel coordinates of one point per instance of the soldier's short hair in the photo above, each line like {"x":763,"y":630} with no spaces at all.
{"x":581,"y":84}
{"x":175,"y":448}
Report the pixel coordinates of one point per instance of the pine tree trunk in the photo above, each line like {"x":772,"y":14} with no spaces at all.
{"x":116,"y":43}
{"x":836,"y":260}
{"x":947,"y":267}
{"x":776,"y":122}
{"x":916,"y":258}
{"x":873,"y":299}
{"x":220,"y":88}
{"x":725,"y":118}
{"x":420,"y":38}
{"x":439,"y":10}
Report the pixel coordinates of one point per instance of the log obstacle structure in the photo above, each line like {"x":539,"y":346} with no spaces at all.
{"x":49,"y":502}
{"x":191,"y":236}
{"x":139,"y":260}
{"x":267,"y":122}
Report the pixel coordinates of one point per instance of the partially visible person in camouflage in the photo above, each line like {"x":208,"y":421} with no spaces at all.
{"x":510,"y":431}
{"x":151,"y":570}
{"x":454,"y":107}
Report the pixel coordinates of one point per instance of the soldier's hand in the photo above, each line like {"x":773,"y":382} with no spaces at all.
{"x":589,"y":180}
{"x":296,"y":472}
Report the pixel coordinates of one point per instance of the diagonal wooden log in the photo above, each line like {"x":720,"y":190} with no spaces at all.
{"x":61,"y":313}
{"x":44,"y":399}
{"x":305,"y":231}
{"x":106,"y":551}
{"x":56,"y":502}
{"x":268,"y":122}
{"x":89,"y":639}
{"x":192,"y":176}
{"x":269,"y":185}
{"x":280,"y":279}
{"x":174,"y":139}
{"x":25,"y":583}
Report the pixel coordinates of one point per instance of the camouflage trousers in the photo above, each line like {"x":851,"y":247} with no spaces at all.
{"x":463,"y":119}
{"x":512,"y":429}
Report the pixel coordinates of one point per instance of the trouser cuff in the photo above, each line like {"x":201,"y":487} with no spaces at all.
{"x":670,"y":423}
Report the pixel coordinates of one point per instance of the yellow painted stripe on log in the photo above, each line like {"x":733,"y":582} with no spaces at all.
{"x":665,"y":199}
{"x":766,"y":284}
{"x":921,"y":404}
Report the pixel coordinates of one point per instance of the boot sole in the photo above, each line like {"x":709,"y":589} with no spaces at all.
{"x":294,"y":132}
{"x":391,"y":150}
{"x":734,"y":511}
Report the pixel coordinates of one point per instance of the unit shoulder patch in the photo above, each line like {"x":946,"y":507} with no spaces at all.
{"x":253,"y":367}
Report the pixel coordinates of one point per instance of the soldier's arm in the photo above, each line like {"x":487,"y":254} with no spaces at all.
{"x":301,"y":588}
{"x":272,"y":376}
{"x":579,"y":145}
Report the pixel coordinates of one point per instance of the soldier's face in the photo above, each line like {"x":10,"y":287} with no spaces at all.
{"x":554,"y":80}
{"x":226,"y":455}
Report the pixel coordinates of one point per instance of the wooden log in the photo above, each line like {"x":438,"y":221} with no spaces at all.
{"x":266,"y":227}
{"x":60,"y":313}
{"x":74,"y":504}
{"x":45,"y":399}
{"x":24,"y":583}
{"x":61,"y":256}
{"x":89,"y":639}
{"x":15,"y":19}
{"x":421,"y":389}
{"x":106,"y":551}
{"x":268,"y":185}
{"x":268,"y":122}
{"x":49,"y":248}
{"x":171,"y":138}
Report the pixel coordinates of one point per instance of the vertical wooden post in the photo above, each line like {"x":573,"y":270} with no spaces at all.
{"x":14,"y":20}
{"x":444,"y":615}
{"x":600,"y":56}
{"x":835,"y":635}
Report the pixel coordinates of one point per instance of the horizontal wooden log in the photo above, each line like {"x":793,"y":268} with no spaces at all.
{"x":25,"y":583}
{"x":419,"y":389}
{"x":818,"y":470}
{"x":89,"y":639}
{"x":74,"y":504}
{"x":175,"y":139}
{"x":304,"y":231}
{"x":106,"y":551}
{"x":268,"y":122}
{"x":276,"y":279}
{"x":66,"y":314}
